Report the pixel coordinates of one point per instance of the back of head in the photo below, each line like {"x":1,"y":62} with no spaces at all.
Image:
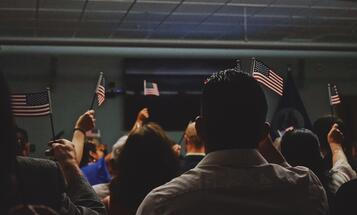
{"x":301,"y":147}
{"x":345,"y":199}
{"x":146,"y":161}
{"x":234,"y":111}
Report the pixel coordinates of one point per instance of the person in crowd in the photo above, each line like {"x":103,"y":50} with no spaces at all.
{"x":111,"y":159}
{"x":345,"y":199}
{"x":341,"y":171}
{"x":96,"y":171}
{"x":234,"y":177}
{"x":30,"y":181}
{"x":194,"y":148}
{"x":146,"y":161}
{"x":301,"y":147}
{"x":89,"y":154}
{"x":23,"y":144}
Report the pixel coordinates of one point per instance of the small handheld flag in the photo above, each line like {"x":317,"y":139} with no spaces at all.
{"x":30,"y":104}
{"x":334,"y":97}
{"x":99,"y":91}
{"x":151,"y":88}
{"x":267,"y":77}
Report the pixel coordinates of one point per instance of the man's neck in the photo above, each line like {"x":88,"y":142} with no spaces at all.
{"x":193,"y":150}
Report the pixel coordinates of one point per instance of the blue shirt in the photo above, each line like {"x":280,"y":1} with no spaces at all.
{"x":97,"y":173}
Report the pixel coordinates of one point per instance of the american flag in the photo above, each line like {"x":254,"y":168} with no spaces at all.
{"x":334,"y":97}
{"x":101,"y":92}
{"x":268,"y":77}
{"x":150,"y":88}
{"x":238,"y":66}
{"x":30,"y":104}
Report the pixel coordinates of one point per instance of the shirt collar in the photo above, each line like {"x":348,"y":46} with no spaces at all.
{"x":233,"y":157}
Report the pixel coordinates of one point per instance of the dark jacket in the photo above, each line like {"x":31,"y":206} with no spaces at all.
{"x":41,"y":182}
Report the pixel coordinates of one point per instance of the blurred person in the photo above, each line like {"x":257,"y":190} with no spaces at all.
{"x":194,"y":148}
{"x":146,"y":161}
{"x":93,"y":164}
{"x":30,"y":181}
{"x":234,"y":177}
{"x":23,"y":144}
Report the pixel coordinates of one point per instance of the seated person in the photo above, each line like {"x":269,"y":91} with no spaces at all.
{"x":146,"y":161}
{"x":242,"y":172}
{"x":58,"y":185}
{"x":195,"y":149}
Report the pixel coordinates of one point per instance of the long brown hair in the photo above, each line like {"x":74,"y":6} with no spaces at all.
{"x":147,"y":161}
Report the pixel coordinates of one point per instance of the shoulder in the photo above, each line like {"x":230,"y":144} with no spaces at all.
{"x":35,"y":163}
{"x":160,"y":196}
{"x":41,"y":181}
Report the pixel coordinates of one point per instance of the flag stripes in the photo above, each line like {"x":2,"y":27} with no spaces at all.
{"x":334,"y":97}
{"x":268,"y":77}
{"x":30,"y":104}
{"x":151,"y":88}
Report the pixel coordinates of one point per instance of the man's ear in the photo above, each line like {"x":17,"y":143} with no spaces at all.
{"x":201,"y":128}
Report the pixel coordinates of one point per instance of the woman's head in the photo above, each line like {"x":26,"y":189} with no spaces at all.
{"x":145,"y":162}
{"x":301,"y":147}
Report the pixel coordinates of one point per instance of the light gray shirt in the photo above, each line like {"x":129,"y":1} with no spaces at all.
{"x":238,"y":182}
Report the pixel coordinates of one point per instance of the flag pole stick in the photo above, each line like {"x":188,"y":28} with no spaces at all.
{"x":253,"y":65}
{"x":329,"y":95}
{"x":95,"y":91}
{"x":51,"y":115}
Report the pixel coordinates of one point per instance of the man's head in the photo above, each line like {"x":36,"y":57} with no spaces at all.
{"x":192,"y":140}
{"x":233,"y":112}
{"x":23,"y":145}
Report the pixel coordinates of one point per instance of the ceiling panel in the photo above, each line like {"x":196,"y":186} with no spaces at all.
{"x":18,"y":4}
{"x":153,"y":7}
{"x":62,"y":4}
{"x":243,"y":20}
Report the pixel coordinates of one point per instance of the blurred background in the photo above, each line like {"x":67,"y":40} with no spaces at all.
{"x":65,"y":44}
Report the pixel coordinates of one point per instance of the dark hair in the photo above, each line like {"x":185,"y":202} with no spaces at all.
{"x":301,"y":147}
{"x":145,"y":162}
{"x":20,"y":143}
{"x":88,"y":147}
{"x":8,"y":145}
{"x":345,"y":199}
{"x":233,"y":108}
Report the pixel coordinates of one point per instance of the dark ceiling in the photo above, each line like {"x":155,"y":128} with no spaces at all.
{"x":205,"y":20}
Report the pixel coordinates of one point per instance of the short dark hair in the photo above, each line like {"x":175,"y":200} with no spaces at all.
{"x":234,"y":109}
